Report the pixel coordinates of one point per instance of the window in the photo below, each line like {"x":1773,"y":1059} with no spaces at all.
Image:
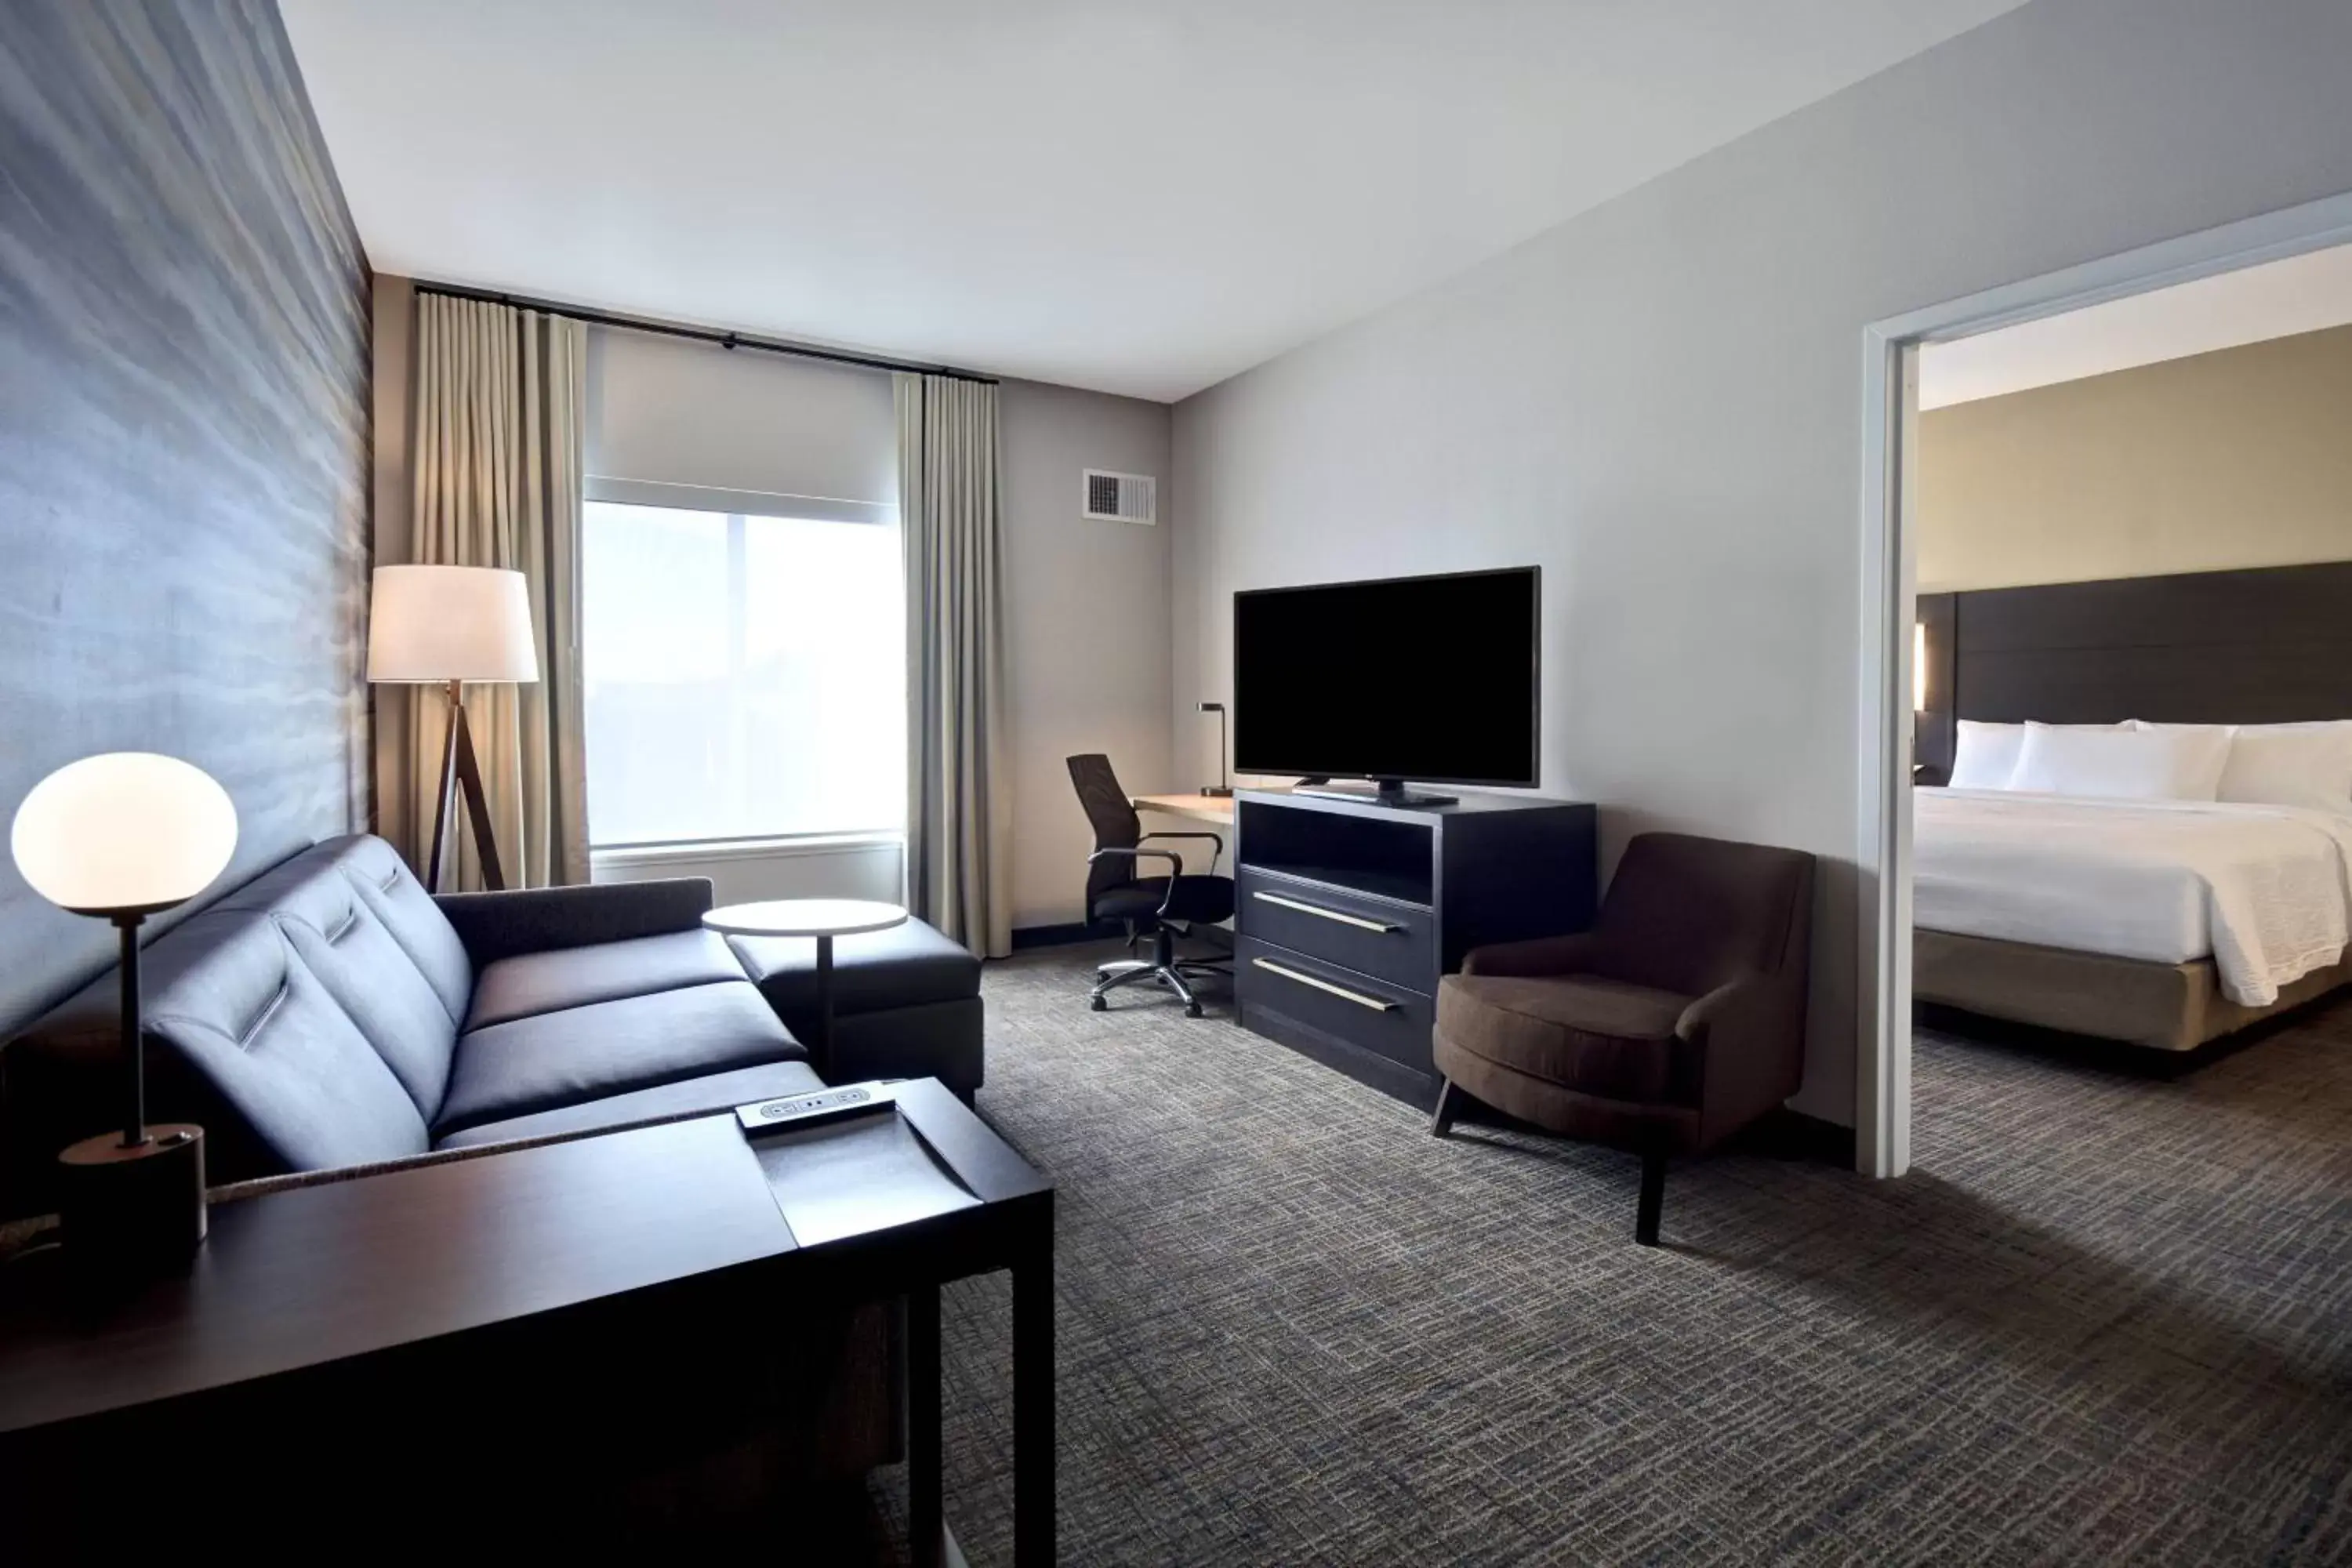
{"x":745,"y":676}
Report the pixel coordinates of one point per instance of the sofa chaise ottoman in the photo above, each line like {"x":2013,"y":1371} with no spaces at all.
{"x":906,"y":1002}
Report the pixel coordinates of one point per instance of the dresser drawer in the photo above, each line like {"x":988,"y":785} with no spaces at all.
{"x":1358,"y":1010}
{"x":1371,"y":935}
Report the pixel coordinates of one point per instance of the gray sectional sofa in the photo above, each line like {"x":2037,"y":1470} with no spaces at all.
{"x":332,"y":1013}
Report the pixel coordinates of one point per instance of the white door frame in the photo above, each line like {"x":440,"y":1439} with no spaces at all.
{"x":1890,"y":403}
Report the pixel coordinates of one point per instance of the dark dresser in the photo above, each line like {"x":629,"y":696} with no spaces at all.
{"x":1347,"y":911}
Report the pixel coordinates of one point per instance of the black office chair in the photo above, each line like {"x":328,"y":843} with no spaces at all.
{"x":1157,"y":907}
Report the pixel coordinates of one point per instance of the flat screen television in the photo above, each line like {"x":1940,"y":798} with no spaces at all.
{"x":1427,"y":679}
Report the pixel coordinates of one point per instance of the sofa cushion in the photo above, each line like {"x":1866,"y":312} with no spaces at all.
{"x":688,"y":1097}
{"x":272,"y":1041}
{"x":341,"y":940}
{"x":411,"y":917}
{"x":872,"y":972}
{"x":1582,"y":1032}
{"x":553,"y":1060}
{"x":535,"y":983}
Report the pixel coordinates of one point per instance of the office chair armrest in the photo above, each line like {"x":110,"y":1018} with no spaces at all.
{"x":1175,"y":869}
{"x":1212,"y":838}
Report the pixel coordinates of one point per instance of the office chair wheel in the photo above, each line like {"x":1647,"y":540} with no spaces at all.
{"x":1098,"y":1005}
{"x":1193,"y":1010}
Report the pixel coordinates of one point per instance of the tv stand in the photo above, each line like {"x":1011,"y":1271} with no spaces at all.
{"x":1350,"y":904}
{"x":1386,"y":792}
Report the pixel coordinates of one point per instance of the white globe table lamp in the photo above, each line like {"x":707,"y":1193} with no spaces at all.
{"x":120,"y":837}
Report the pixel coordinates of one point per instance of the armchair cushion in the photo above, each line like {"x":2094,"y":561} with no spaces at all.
{"x":1589,"y":1033}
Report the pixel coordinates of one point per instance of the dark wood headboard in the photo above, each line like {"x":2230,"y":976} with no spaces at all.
{"x":2272,"y":646}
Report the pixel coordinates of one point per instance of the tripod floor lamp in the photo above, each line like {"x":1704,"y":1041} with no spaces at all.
{"x":444,"y":626}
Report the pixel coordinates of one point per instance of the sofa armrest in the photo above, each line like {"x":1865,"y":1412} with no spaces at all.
{"x":1749,"y":1039}
{"x":539,"y":919}
{"x":1539,"y":956}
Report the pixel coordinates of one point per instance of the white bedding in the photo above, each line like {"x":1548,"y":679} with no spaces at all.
{"x":2266,"y":891}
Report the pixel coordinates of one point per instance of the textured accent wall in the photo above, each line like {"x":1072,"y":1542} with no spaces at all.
{"x":183,"y":433}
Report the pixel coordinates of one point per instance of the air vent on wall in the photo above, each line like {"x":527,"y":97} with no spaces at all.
{"x":1118,"y":498}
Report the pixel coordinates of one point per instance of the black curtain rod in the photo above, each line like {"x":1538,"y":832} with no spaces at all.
{"x":698,"y":334}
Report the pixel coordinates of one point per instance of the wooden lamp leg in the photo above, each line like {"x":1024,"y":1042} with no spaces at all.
{"x":461,"y":770}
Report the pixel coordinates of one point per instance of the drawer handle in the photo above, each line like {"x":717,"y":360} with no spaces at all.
{"x":1384,"y":927}
{"x":1377,"y":1004}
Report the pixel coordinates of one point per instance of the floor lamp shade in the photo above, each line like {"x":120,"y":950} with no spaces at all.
{"x":437,"y":623}
{"x":125,"y":831}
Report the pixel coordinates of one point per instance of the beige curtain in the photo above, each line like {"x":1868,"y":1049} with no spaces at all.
{"x":959,"y":806}
{"x":501,"y":400}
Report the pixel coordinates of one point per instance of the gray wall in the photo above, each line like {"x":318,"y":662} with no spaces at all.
{"x":1660,"y":402}
{"x":1087,"y":632}
{"x":183,"y":433}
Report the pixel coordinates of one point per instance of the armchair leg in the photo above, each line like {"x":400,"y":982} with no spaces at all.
{"x":1654,"y":1197}
{"x":1449,"y":1106}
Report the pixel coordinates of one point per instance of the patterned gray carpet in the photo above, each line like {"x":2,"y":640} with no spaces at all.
{"x":2107,"y":1319}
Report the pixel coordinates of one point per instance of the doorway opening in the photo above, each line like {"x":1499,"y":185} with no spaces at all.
{"x":2055,"y":647}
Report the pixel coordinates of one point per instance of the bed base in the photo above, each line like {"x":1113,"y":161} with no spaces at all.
{"x":2164,"y":1006}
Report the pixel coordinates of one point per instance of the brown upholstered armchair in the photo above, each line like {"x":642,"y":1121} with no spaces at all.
{"x":1676,"y":1021}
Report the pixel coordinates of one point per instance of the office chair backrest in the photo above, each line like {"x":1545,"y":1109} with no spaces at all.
{"x":1113,"y":818}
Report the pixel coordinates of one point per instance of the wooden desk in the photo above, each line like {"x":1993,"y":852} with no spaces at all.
{"x":1210,"y":808}
{"x":534,"y":1333}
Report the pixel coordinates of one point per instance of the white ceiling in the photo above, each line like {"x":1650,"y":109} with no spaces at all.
{"x":1134,"y":196}
{"x":2276,"y":299}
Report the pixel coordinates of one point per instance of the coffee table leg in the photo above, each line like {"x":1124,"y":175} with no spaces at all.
{"x":822,"y":1047}
{"x":925,"y":1526}
{"x":1032,"y":1409}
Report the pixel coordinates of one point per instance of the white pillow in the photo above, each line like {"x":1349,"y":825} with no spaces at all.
{"x":2184,"y":762}
{"x":1986,"y":754}
{"x":2292,"y":764}
{"x":1985,"y":757}
{"x":2213,"y":735}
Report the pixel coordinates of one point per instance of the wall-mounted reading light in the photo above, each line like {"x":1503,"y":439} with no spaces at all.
{"x":1918,"y":666}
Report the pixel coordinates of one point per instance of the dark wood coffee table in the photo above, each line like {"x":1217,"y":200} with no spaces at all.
{"x":317,"y":1318}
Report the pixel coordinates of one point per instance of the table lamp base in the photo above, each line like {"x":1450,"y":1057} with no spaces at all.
{"x":133,"y":1208}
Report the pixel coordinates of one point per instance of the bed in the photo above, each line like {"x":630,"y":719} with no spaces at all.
{"x":2101,"y":907}
{"x":2164,"y":923}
